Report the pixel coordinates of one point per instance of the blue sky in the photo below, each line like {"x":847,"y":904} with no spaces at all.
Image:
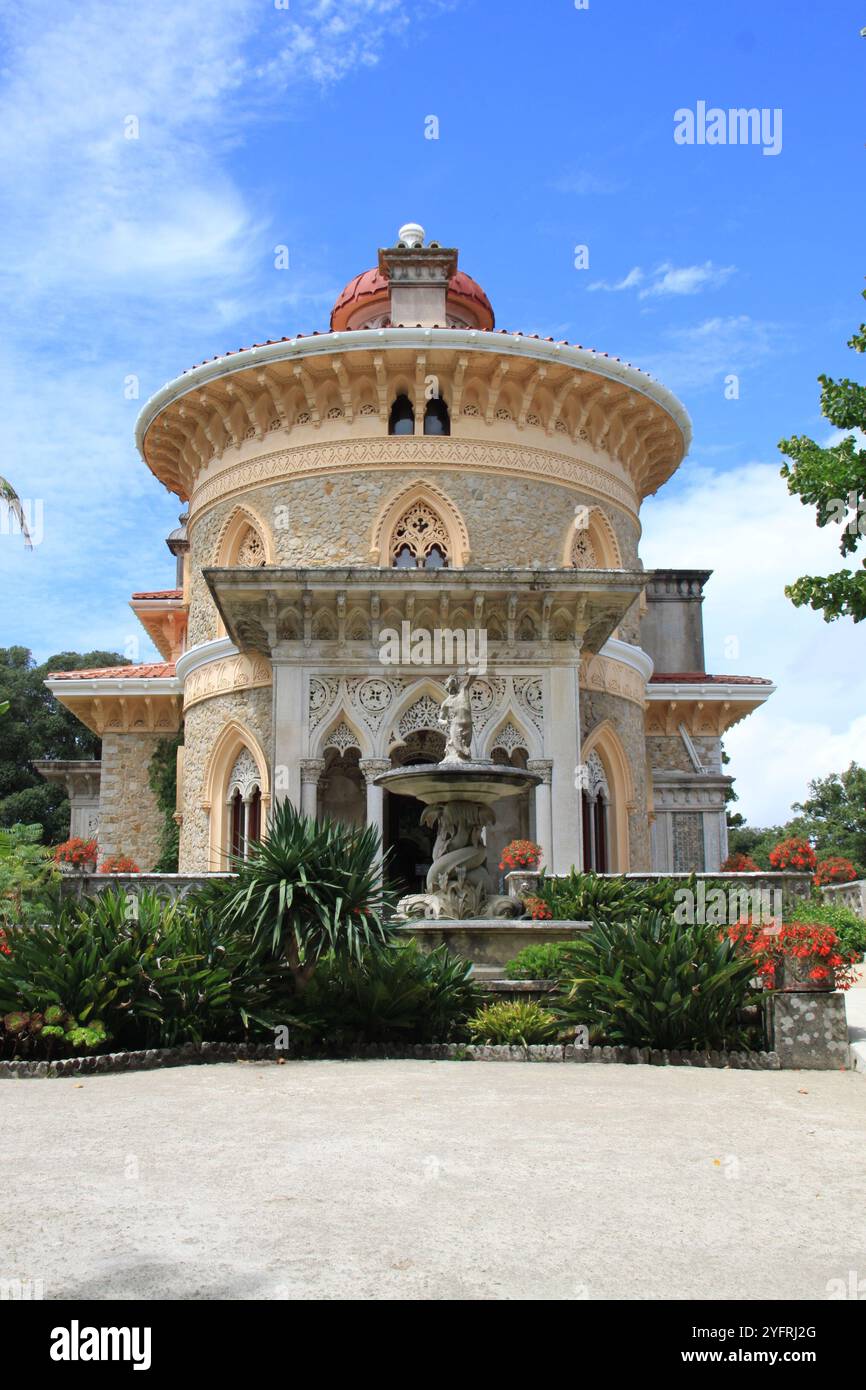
{"x":260,"y":125}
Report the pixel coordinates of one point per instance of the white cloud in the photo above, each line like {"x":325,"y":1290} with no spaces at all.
{"x":701,"y":355}
{"x":743,"y":525}
{"x":668,"y":279}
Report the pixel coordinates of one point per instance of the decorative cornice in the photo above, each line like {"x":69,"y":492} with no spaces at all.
{"x":608,"y":676}
{"x":240,"y":672}
{"x":393,"y":452}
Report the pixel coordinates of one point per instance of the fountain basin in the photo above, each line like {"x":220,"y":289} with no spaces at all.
{"x":483,"y":783}
{"x":489,"y":945}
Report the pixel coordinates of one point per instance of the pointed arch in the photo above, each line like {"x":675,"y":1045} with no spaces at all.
{"x":592,"y":546}
{"x":235,"y":532}
{"x":510,"y":732}
{"x":233,"y":739}
{"x":604,"y":741}
{"x":428,"y":695}
{"x":342,"y":731}
{"x":438,"y":502}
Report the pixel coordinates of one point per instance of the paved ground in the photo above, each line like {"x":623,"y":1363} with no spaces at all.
{"x":434,"y":1180}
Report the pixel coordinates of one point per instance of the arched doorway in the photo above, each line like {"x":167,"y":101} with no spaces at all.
{"x":410,"y":843}
{"x":342,"y":793}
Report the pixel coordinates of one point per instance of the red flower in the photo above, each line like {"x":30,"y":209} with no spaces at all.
{"x":76,"y":851}
{"x":799,"y":941}
{"x":538,"y":909}
{"x":521,"y":854}
{"x":834,"y":870}
{"x":119,"y":864}
{"x":793,"y":854}
{"x":740,"y":864}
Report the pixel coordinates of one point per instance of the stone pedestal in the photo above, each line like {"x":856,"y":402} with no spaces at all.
{"x":490,"y":945}
{"x":522,"y":883}
{"x":808,"y":1030}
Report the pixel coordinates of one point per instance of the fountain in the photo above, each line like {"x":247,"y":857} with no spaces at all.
{"x":458,"y":794}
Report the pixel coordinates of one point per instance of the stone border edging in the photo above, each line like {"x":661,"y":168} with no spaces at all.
{"x":192,"y":1054}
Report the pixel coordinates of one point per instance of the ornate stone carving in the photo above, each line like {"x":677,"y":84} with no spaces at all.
{"x":508,"y":738}
{"x":530,"y":693}
{"x":251,"y":552}
{"x":244,"y":776}
{"x":420,"y":529}
{"x":604,"y":674}
{"x":373,"y":768}
{"x":341,"y":737}
{"x":413,"y":453}
{"x":221,"y":677}
{"x":373,"y":697}
{"x":543,"y":766}
{"x":424,"y":714}
{"x":323,"y":693}
{"x":583,"y":552}
{"x":596,"y":779}
{"x":455,"y":717}
{"x":311,"y":770}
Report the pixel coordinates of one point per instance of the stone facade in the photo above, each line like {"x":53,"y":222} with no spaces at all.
{"x":130,"y":821}
{"x":441,"y":478}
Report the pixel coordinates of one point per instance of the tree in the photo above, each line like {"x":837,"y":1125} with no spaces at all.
{"x":834,"y":815}
{"x":13,"y":504}
{"x":37,"y":726}
{"x":833,"y":480}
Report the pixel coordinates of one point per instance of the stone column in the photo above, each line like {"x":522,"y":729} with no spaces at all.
{"x":372,"y":768}
{"x":290,"y":723}
{"x":543,"y":809}
{"x":562,"y":745}
{"x":311,"y":771}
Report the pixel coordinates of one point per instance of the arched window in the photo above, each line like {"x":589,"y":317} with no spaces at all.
{"x":436,"y":417}
{"x":419,"y":540}
{"x":251,"y":550}
{"x":596,"y":802}
{"x":244,"y":799}
{"x":402,"y":419}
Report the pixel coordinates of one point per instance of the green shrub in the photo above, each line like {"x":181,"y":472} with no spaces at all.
{"x":654,"y":982}
{"x":850,"y":928}
{"x":136,"y":972}
{"x":28,"y":877}
{"x":515,"y":1023}
{"x":584,"y":897}
{"x":311,"y":889}
{"x":394,"y":993}
{"x":546,"y":961}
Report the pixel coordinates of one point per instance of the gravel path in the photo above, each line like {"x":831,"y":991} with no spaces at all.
{"x":434,"y":1180}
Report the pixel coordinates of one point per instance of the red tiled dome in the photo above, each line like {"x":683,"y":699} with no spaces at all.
{"x":370,"y":290}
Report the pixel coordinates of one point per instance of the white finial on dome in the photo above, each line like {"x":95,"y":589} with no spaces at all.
{"x":411,"y":235}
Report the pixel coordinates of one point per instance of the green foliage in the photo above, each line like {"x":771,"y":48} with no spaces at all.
{"x":139,"y":971}
{"x":162,"y":777}
{"x":834,"y":815}
{"x":833,"y":481}
{"x":849,"y":928}
{"x":547,"y":961}
{"x":311,"y":888}
{"x":514,"y":1023}
{"x":757,"y":842}
{"x":393,"y":993}
{"x":580,"y":897}
{"x":652,"y":982}
{"x":37,"y":726}
{"x":28,"y":877}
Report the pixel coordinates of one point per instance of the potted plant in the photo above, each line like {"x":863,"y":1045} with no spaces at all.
{"x":836,"y":869}
{"x":798,"y":957}
{"x":119,"y":864}
{"x":76,"y":856}
{"x":520,"y":861}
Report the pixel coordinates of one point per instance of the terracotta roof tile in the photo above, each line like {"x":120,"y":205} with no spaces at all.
{"x":159,"y":593}
{"x":149,"y":671}
{"x":702,"y":678}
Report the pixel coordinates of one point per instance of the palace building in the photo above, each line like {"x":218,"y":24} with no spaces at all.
{"x":412,"y":471}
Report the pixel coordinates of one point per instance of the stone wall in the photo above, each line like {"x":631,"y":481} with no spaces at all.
{"x":203,"y":724}
{"x":511,"y":522}
{"x":627,"y":719}
{"x":851,"y":895}
{"x":130,"y":821}
{"x":669,"y":753}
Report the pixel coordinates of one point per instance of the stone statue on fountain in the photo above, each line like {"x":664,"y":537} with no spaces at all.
{"x":458,"y":793}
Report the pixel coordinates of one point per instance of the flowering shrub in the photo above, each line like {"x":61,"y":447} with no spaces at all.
{"x":119,"y":864}
{"x":4,"y":949}
{"x":740,"y":864}
{"x":793,"y":854}
{"x":521,"y":854}
{"x":76,"y":851}
{"x":538,"y":909}
{"x":834,"y":870}
{"x":805,"y":941}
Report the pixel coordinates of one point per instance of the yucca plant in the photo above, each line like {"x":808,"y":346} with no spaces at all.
{"x":513,"y":1022}
{"x":310,"y":888}
{"x":655,"y":982}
